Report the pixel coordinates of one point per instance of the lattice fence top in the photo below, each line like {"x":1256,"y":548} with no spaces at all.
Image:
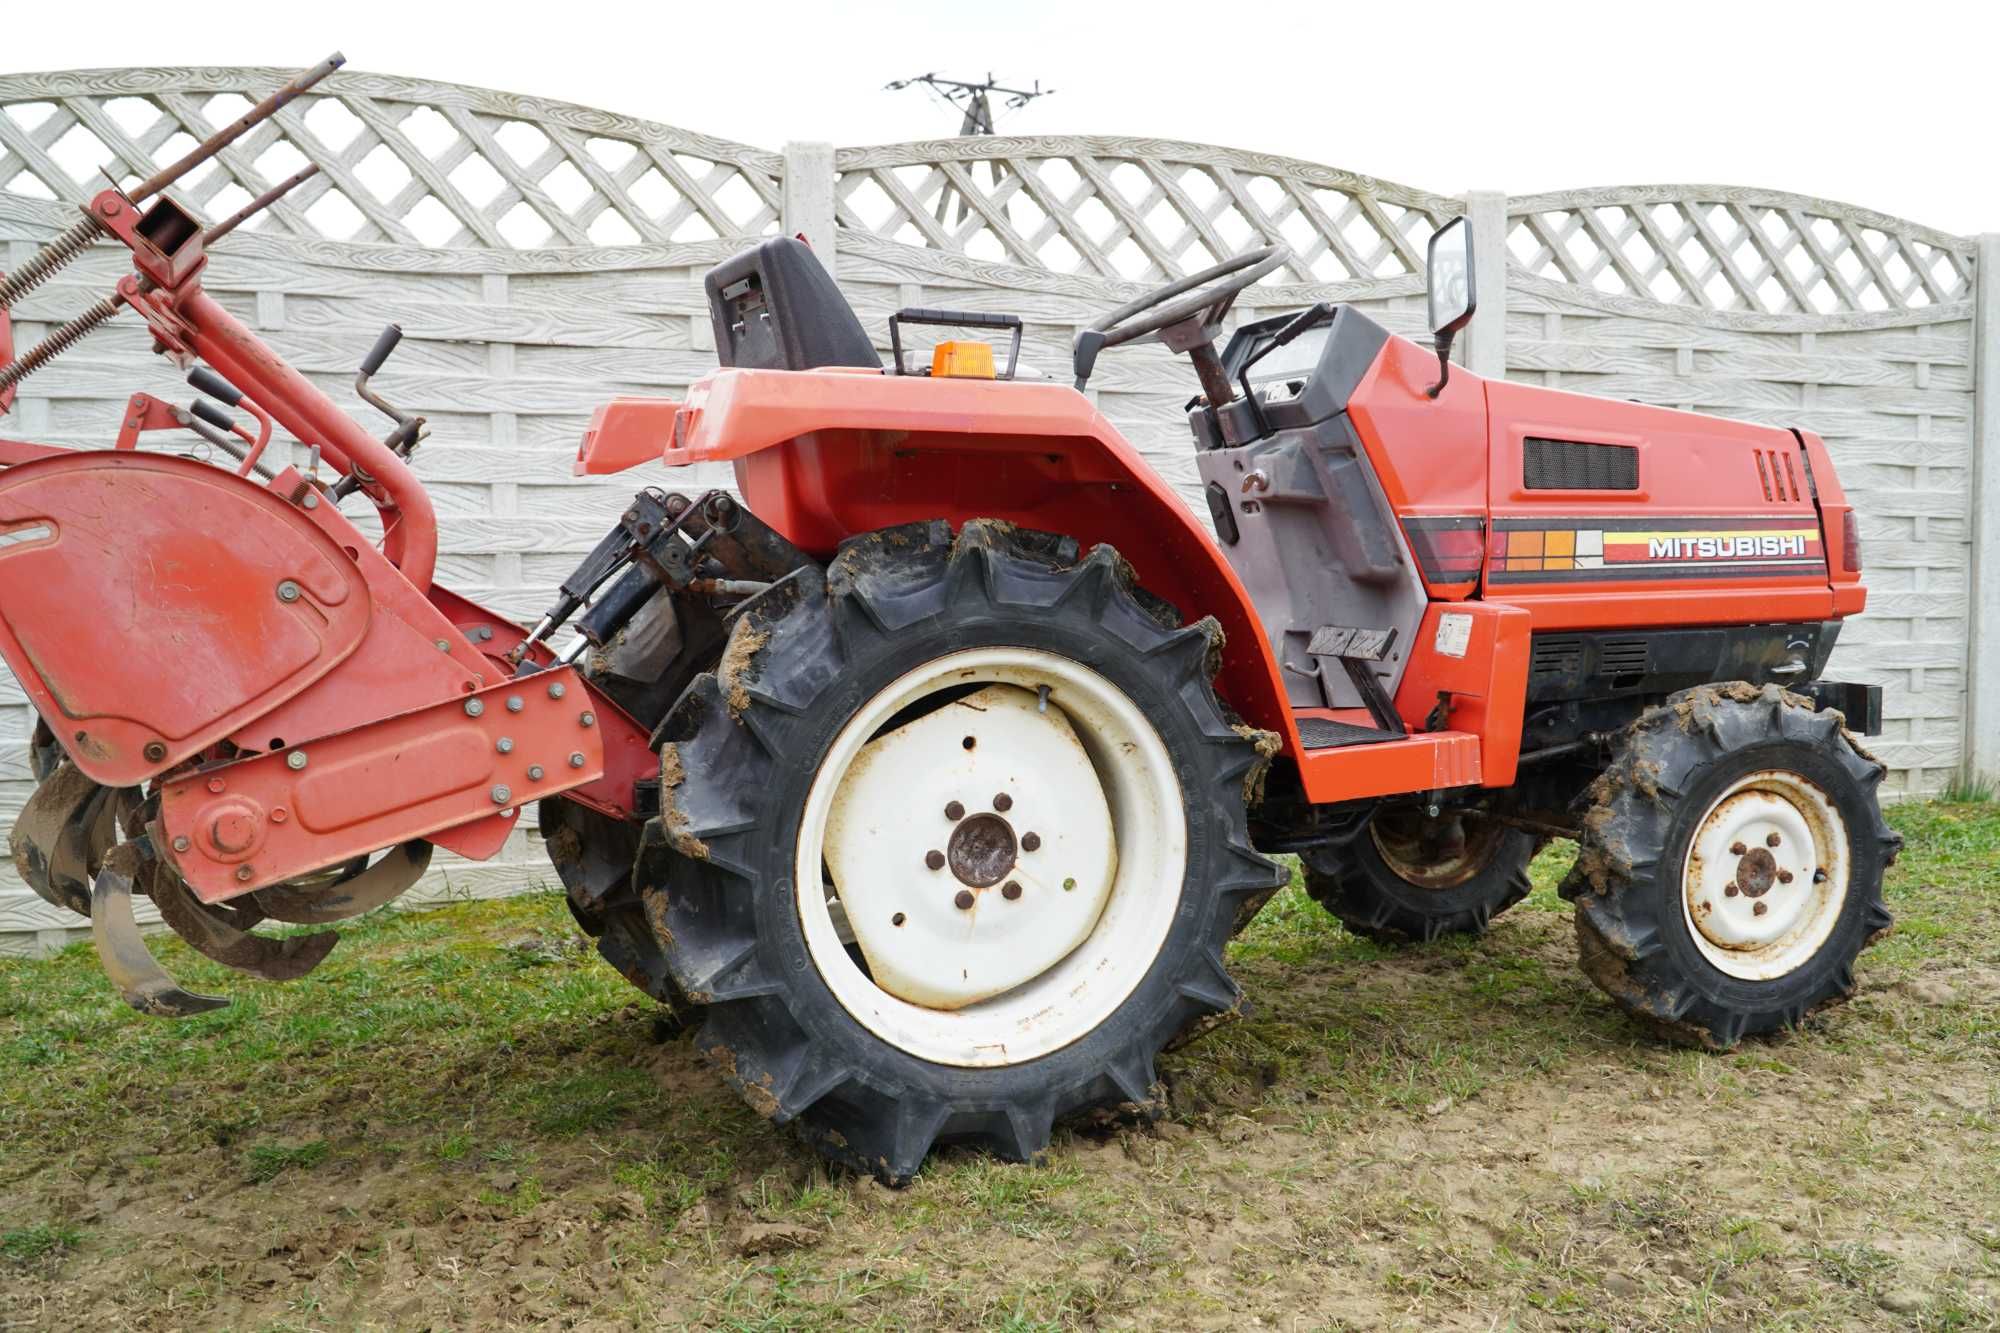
{"x":437,"y":166}
{"x":1134,"y":209}
{"x":1724,"y":248}
{"x":403,"y":161}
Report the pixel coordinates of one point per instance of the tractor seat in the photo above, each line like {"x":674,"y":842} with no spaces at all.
{"x":775,"y":307}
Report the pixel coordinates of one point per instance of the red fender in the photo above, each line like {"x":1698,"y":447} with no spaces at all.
{"x":824,"y":454}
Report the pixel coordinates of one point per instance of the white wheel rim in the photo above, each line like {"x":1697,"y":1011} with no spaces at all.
{"x":1766,"y":876}
{"x":1043,"y":967}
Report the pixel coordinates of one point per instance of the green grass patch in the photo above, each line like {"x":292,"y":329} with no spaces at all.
{"x":26,"y":1245}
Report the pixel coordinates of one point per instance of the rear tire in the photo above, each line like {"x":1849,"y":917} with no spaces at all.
{"x":1730,"y":870}
{"x":1401,"y":879}
{"x":759,"y":753}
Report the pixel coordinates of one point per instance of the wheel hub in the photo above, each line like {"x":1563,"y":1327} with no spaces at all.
{"x":999,"y":879}
{"x":1766,"y":876}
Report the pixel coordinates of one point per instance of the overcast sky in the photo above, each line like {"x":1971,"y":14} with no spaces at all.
{"x":1890,"y":106}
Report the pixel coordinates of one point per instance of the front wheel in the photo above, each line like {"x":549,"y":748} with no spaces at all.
{"x":1731,"y":866}
{"x":954,"y":838}
{"x":1408,"y":877}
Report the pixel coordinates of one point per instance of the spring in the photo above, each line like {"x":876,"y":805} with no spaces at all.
{"x":52,"y":257}
{"x":49,"y":348}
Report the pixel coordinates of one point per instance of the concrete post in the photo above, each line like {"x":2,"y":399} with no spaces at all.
{"x":809,"y":198}
{"x":1486,"y":350}
{"x":1982,"y":668}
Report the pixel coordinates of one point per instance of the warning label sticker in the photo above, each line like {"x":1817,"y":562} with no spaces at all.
{"x":1454,"y":634}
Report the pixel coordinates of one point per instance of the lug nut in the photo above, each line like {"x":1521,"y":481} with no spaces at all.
{"x":556,"y":690}
{"x":296,"y":760}
{"x":898,"y":919}
{"x":1010,"y":890}
{"x":964,"y":900}
{"x":1003,"y":802}
{"x":1784,"y":877}
{"x":514,"y":704}
{"x":505,"y":745}
{"x":576,"y":759}
{"x":954,"y":812}
{"x":1031,"y":842}
{"x":934,"y":859}
{"x":501,"y":795}
{"x":1729,"y":890}
{"x":1819,"y":877}
{"x":1737,"y":849}
{"x":534,"y":772}
{"x":474,"y":707}
{"x":1773,"y":840}
{"x":1760,"y":908}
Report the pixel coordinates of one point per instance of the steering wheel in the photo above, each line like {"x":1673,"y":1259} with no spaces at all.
{"x":1205,"y":297}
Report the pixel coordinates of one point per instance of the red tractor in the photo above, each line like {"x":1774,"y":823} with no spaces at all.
{"x":955,"y":684}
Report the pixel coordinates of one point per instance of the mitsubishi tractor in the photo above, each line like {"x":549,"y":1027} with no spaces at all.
{"x":927,"y":772}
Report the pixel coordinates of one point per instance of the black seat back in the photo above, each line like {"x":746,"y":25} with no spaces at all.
{"x":776,"y":308}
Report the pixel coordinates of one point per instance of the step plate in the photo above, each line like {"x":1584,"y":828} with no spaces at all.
{"x":1319,"y":733}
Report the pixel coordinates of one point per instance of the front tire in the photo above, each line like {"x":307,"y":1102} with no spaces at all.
{"x":793,"y":875}
{"x":1405,"y":877}
{"x":1731,"y":865}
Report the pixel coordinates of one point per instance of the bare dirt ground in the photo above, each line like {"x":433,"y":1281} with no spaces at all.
{"x":465,"y":1121}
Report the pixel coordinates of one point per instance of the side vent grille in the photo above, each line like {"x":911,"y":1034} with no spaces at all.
{"x":1776,"y":475}
{"x":1566,"y":465}
{"x":1623,"y":657}
{"x":1555,"y":657}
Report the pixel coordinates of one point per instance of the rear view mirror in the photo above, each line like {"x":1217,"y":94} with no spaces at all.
{"x":1450,"y":285}
{"x":1450,"y":278}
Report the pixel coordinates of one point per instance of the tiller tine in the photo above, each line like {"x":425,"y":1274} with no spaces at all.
{"x":146,"y":986}
{"x":51,"y":839}
{"x":212,"y":933}
{"x":351,"y":895}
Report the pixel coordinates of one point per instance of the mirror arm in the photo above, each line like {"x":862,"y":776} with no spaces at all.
{"x":1443,"y":344}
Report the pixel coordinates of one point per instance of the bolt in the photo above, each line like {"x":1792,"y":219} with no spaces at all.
{"x":501,"y":795}
{"x":534,"y":772}
{"x":1819,"y":877}
{"x":1729,"y":890}
{"x":279,"y":816}
{"x":474,"y":707}
{"x":243,"y":874}
{"x":1003,"y":802}
{"x":312,"y":500}
{"x":556,"y":689}
{"x":505,"y":745}
{"x":954,"y":812}
{"x":934,"y":859}
{"x":215,"y":786}
{"x":514,"y":704}
{"x":1737,"y":849}
{"x":1759,"y":908}
{"x":181,"y":844}
{"x":1784,"y":877}
{"x":155,"y":752}
{"x":1010,"y":890}
{"x":576,"y":759}
{"x":1773,"y":840}
{"x":288,"y":591}
{"x":1031,"y":842}
{"x":443,"y":645}
{"x":296,"y":760}
{"x":964,"y":900}
{"x":587,"y":719}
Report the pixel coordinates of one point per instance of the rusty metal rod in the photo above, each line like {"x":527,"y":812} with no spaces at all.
{"x":258,"y":205}
{"x":222,"y":138}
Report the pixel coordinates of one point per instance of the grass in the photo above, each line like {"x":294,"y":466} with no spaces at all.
{"x":441,"y":1128}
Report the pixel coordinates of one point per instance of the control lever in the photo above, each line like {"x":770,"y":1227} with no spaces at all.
{"x":204,"y":380}
{"x":1293,"y":327}
{"x":409,"y":429}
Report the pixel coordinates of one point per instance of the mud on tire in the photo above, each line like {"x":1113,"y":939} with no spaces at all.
{"x":1680,"y":767}
{"x":1375,"y":898}
{"x":744,"y":746}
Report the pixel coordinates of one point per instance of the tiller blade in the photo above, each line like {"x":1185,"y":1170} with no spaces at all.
{"x":358,"y":892}
{"x":212,"y":933}
{"x":51,"y":838}
{"x":146,"y":986}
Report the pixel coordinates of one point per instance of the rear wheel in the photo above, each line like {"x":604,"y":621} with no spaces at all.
{"x":1731,"y":866}
{"x":1409,"y":877}
{"x":952,"y":842}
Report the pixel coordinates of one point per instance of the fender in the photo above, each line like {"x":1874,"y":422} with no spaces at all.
{"x":823,"y":455}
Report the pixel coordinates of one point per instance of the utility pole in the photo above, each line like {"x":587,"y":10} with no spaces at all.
{"x":975,"y":104}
